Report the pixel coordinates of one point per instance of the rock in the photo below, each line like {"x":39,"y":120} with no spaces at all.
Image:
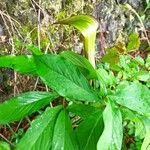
{"x":1,"y":30}
{"x":111,"y":20}
{"x":114,"y":20}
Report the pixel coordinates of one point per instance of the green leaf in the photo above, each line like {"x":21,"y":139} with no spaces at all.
{"x":22,"y":64}
{"x":35,"y":50}
{"x":25,"y":104}
{"x":111,"y":56}
{"x":139,"y":60}
{"x":65,"y":78}
{"x":40,"y":135}
{"x":4,"y":146}
{"x":89,"y":131}
{"x":148,"y":83}
{"x":104,"y":80}
{"x":148,"y":5}
{"x":134,"y":42}
{"x":146,"y":142}
{"x":127,"y":114}
{"x":134,"y":96}
{"x":111,"y":138}
{"x":87,"y":25}
{"x":82,"y":110}
{"x":139,"y":129}
{"x":148,"y":61}
{"x":104,"y":76}
{"x":82,"y":63}
{"x":143,"y":75}
{"x":147,"y":1}
{"x":63,"y":134}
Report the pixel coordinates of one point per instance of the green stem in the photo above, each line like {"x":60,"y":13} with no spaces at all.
{"x":89,"y":47}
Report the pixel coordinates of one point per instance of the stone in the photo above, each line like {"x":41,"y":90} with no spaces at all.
{"x":111,"y":20}
{"x":1,"y":30}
